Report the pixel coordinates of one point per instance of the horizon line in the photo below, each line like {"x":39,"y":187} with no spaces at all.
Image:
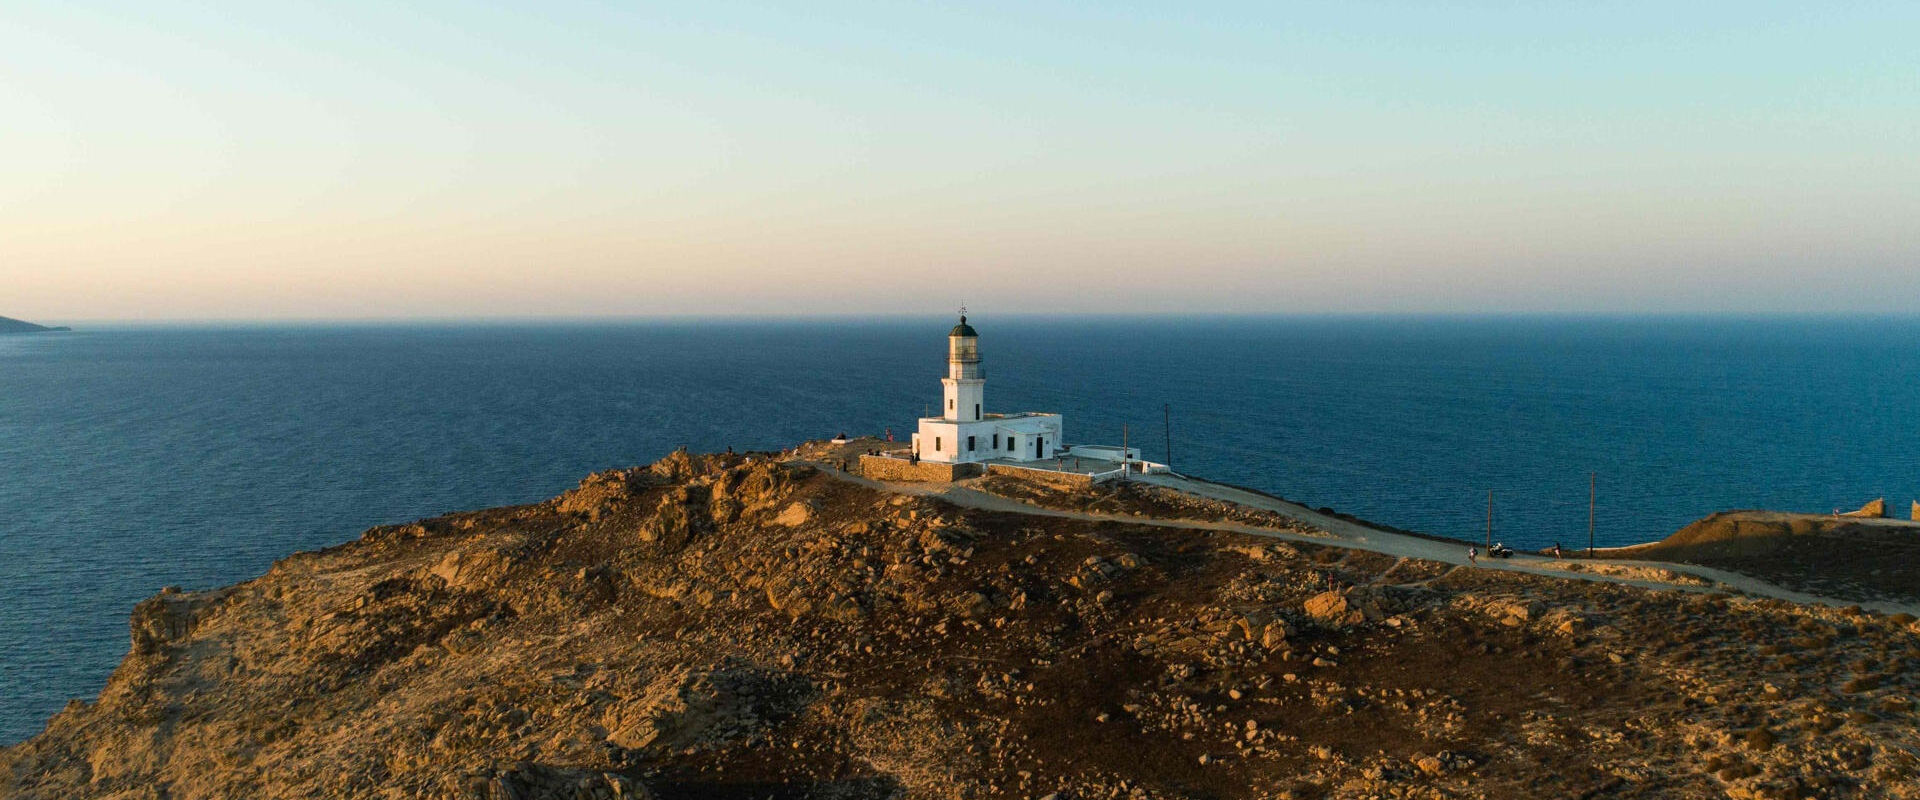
{"x":612,"y":319}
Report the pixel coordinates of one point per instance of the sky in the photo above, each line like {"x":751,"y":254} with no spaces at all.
{"x":346,"y":160}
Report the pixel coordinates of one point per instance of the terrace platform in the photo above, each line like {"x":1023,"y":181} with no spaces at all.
{"x":1077,"y":464}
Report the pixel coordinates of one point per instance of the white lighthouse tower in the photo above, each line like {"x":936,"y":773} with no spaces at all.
{"x":965,"y":385}
{"x":964,"y":432}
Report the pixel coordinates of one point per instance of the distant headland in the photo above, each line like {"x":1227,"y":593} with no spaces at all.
{"x":11,"y":325}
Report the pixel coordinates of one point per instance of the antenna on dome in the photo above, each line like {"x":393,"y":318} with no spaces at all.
{"x":963,"y":312}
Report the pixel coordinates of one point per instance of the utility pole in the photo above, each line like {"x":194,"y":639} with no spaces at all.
{"x":1123,"y":451}
{"x":1166,"y":410}
{"x":1489,"y":520}
{"x":1593,"y":483}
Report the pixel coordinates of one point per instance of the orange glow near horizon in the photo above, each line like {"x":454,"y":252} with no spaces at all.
{"x":374,"y":162}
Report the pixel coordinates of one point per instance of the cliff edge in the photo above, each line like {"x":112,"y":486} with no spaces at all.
{"x":735,"y":627}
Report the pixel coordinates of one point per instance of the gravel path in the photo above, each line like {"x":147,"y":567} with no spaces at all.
{"x":1342,"y":533}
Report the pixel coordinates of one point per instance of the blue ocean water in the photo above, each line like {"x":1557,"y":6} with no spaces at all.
{"x":137,"y":457}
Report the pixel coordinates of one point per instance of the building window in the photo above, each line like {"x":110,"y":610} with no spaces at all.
{"x":949,"y":404}
{"x":1009,"y":444}
{"x":976,"y":410}
{"x":936,"y":444}
{"x":996,"y":441}
{"x":969,"y":444}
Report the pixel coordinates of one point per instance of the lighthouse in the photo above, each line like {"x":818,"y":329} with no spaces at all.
{"x":965,"y":432}
{"x":965,"y":386}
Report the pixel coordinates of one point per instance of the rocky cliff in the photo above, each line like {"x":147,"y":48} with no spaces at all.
{"x":732,"y":628}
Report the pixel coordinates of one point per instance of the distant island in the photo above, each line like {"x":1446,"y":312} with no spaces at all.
{"x":11,"y":325}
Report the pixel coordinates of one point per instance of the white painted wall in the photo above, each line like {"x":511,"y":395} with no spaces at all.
{"x":936,"y":441}
{"x":963,"y":400}
{"x":1043,"y":430}
{"x":963,"y":413}
{"x":945,"y":440}
{"x":951,"y":438}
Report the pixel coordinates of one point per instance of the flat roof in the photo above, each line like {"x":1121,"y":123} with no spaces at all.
{"x":1063,"y":463}
{"x":994,"y":417}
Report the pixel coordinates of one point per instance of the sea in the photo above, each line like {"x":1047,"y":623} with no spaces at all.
{"x":137,"y":457}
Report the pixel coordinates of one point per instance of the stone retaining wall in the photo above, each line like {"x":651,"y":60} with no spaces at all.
{"x":883,"y":468}
{"x":1044,"y":477}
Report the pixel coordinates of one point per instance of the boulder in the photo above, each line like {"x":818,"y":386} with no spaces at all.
{"x":1252,"y":624}
{"x":1095,"y":570}
{"x":795,"y":515}
{"x":599,"y":493}
{"x":1327,"y":607}
{"x":1343,"y":608}
{"x":751,"y":488}
{"x":1513,"y":612}
{"x":974,"y":605}
{"x":1275,"y":635}
{"x":681,"y":515}
{"x":479,"y":565}
{"x":679,"y":465}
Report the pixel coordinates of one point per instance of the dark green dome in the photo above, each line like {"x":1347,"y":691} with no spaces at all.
{"x":963,"y":329}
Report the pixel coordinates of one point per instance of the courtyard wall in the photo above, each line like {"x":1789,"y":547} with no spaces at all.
{"x":885,"y":468}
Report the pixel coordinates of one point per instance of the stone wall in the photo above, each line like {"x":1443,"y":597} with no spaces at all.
{"x":1065,"y":481}
{"x":883,"y":468}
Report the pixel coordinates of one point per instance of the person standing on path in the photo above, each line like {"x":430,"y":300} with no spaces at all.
{"x":1473,"y":556}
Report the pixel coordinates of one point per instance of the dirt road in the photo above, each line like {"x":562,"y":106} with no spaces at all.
{"x":1343,"y":533}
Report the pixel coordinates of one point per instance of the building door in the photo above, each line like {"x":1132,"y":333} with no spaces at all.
{"x":1039,"y":446}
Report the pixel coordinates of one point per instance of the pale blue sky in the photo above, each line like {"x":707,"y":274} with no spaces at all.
{"x":268,"y":160}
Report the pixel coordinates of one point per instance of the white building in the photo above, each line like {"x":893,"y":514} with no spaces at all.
{"x":964,"y":432}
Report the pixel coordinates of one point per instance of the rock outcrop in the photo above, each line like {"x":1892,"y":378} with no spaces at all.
{"x":163,"y":619}
{"x":1857,"y":558}
{"x":1875,"y":509}
{"x":714,"y":626}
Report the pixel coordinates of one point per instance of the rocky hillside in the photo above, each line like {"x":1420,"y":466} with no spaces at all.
{"x":1860,"y":558}
{"x":720,"y":627}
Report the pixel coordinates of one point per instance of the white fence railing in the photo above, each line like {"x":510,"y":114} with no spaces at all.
{"x":1119,"y":471}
